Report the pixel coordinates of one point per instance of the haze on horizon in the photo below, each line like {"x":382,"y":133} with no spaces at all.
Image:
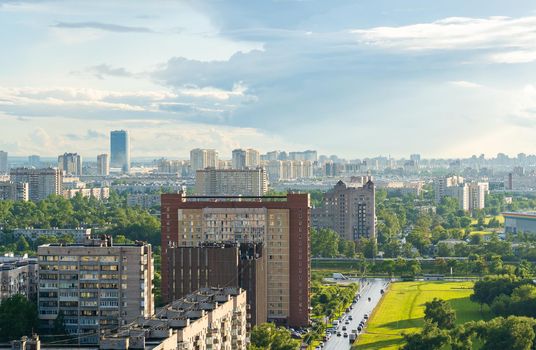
{"x":444,"y":79}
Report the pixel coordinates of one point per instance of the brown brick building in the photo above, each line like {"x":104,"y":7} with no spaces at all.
{"x":281,"y":223}
{"x":221,"y":265}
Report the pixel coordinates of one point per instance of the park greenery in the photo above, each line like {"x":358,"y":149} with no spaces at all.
{"x":107,"y":217}
{"x":267,"y":336}
{"x":18,"y":317}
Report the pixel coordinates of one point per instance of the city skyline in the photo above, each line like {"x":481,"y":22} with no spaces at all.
{"x":442,"y":79}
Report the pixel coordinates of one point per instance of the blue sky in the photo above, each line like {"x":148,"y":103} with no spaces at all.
{"x":353,"y":78}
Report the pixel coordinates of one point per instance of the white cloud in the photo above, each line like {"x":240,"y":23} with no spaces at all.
{"x":465,"y":84}
{"x":514,"y":38}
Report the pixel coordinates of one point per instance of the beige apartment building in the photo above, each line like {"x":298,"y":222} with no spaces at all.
{"x":18,"y":275}
{"x":41,"y":182}
{"x":231,"y":182}
{"x":203,"y":158}
{"x":95,"y":285}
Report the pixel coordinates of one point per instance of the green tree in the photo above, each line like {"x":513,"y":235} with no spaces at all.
{"x":513,"y":333}
{"x":431,"y":337}
{"x":441,"y":313}
{"x":22,"y":244}
{"x":18,"y":317}
{"x":268,"y":336}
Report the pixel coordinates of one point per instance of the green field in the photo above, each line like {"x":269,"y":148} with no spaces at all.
{"x":500,"y":218}
{"x":402,"y":310}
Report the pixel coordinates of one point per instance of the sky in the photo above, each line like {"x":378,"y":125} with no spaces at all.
{"x":354,"y":78}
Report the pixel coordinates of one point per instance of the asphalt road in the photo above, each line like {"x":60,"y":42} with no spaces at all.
{"x":370,"y":289}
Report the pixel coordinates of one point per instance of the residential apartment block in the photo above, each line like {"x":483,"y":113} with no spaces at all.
{"x":18,"y":275}
{"x":103,"y":165}
{"x":70,"y":164}
{"x":80,"y":235}
{"x":94,"y":286}
{"x":284,"y":170}
{"x":15,"y":191}
{"x":203,"y":158}
{"x":349,"y":209}
{"x":231,"y":182}
{"x":246,"y":158}
{"x":470,"y":196}
{"x":41,"y":182}
{"x":208,"y":319}
{"x":281,"y":223}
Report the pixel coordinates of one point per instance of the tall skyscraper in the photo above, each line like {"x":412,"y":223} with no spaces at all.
{"x":41,"y":182}
{"x":70,"y":163}
{"x":239,"y":159}
{"x":120,"y":150}
{"x":3,"y":162}
{"x":103,"y":165}
{"x":246,"y":158}
{"x":281,"y":223}
{"x":203,"y":158}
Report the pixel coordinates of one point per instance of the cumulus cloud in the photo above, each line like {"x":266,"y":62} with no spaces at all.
{"x":109,"y":27}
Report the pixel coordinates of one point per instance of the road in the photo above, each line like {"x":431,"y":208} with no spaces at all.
{"x":370,"y":289}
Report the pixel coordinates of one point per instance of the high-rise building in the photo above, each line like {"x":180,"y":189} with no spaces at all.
{"x":283,"y":170}
{"x":246,"y":158}
{"x":415,"y":157}
{"x":120,"y":150}
{"x":349,"y":209}
{"x":224,"y":265}
{"x":231,"y":182}
{"x":3,"y":162}
{"x":203,"y":158}
{"x":281,"y":223}
{"x":470,"y":196}
{"x":239,"y":159}
{"x":103,"y":165}
{"x":34,"y":161}
{"x":41,"y":182}
{"x":442,"y":183}
{"x":309,"y":155}
{"x":94,"y":286}
{"x":15,"y":191}
{"x":70,"y":164}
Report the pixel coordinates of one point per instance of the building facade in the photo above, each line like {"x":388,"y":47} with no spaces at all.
{"x":99,"y":193}
{"x":120,"y":150}
{"x":18,"y":275}
{"x":41,"y":182}
{"x":103,"y":165}
{"x":70,"y":164}
{"x":349,"y":210}
{"x":14,"y":191}
{"x":222,"y":265}
{"x":281,"y":223}
{"x":80,"y":235}
{"x":95,"y":286}
{"x":517,"y":222}
{"x":231,"y":182}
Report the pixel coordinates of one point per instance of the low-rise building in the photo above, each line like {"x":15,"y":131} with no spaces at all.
{"x":80,"y":235}
{"x":208,"y":319}
{"x":99,"y":193}
{"x":519,"y":222}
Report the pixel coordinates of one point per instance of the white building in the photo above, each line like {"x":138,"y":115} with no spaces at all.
{"x":203,"y":158}
{"x":231,"y":182}
{"x":103,"y":165}
{"x":70,"y":163}
{"x":32,"y":234}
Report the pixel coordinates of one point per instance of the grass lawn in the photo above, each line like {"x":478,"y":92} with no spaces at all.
{"x":481,"y":233}
{"x":499,"y":218}
{"x":402,"y":310}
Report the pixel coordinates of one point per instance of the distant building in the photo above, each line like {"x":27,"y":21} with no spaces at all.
{"x":210,"y":318}
{"x":309,"y":155}
{"x":103,"y":165}
{"x":281,"y":223}
{"x":80,"y":235}
{"x":203,"y":158}
{"x":3,"y":162}
{"x":232,"y":182}
{"x":221,"y":264}
{"x":415,"y":157}
{"x":99,"y":193}
{"x":34,"y":161}
{"x":95,"y":286}
{"x":180,"y":167}
{"x":14,"y":191}
{"x":120,"y":150}
{"x":239,"y":159}
{"x":519,"y":222}
{"x":470,"y":196}
{"x":288,"y":170}
{"x":18,"y":275}
{"x":143,"y":200}
{"x":70,"y":163}
{"x":41,"y":182}
{"x":348,"y":209}
{"x":520,"y":182}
